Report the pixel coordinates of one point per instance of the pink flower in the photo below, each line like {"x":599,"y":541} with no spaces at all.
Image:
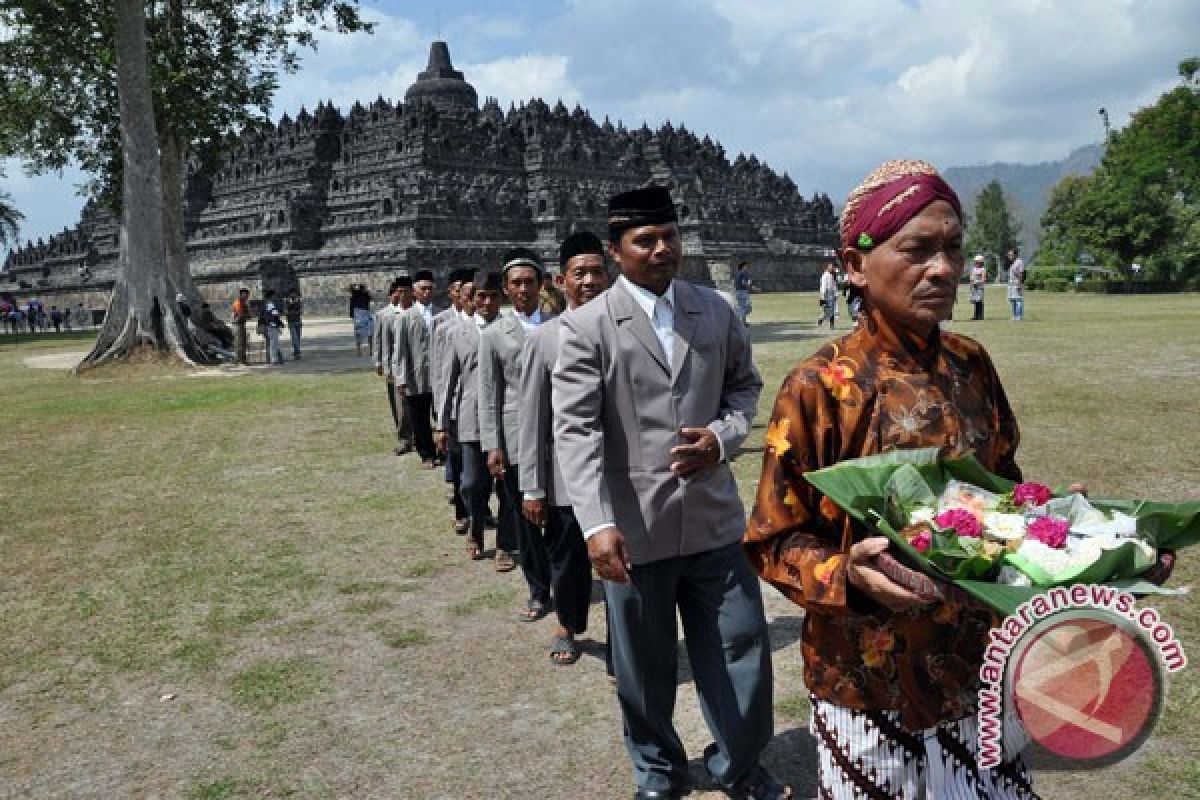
{"x":922,"y":541}
{"x":1050,"y":531}
{"x":1033,"y":494}
{"x":962,"y":521}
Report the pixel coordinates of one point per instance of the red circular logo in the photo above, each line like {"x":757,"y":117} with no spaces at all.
{"x":1086,"y":686}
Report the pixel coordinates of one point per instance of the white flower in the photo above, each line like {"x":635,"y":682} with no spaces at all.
{"x":1003,"y":526}
{"x":921,"y":515}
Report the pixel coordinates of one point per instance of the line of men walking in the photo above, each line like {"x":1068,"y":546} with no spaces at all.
{"x":605,"y":433}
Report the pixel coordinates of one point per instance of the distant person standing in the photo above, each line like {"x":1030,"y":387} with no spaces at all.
{"x":293,"y":311}
{"x":83,"y":316}
{"x":827,"y":293}
{"x":978,"y":282}
{"x":741,"y":289}
{"x":241,"y":315}
{"x":56,"y":319}
{"x":360,"y":312}
{"x":1016,"y":284}
{"x":272,"y":323}
{"x":854,"y":302}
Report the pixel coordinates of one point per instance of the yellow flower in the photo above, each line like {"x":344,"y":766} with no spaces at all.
{"x":777,"y":436}
{"x":877,"y":645}
{"x":837,"y":377}
{"x":824,"y":571}
{"x":791,"y":499}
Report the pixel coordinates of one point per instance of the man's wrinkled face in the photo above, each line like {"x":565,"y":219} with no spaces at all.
{"x":423,"y":292}
{"x":406,"y":296}
{"x":585,"y":277}
{"x":649,"y":255}
{"x":522,"y":284}
{"x":911,"y":278}
{"x":487,"y":304}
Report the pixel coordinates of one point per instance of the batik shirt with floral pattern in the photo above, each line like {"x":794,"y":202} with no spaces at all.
{"x":872,"y":391}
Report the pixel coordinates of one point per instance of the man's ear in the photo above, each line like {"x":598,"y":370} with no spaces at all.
{"x":614,"y":253}
{"x":852,"y":260}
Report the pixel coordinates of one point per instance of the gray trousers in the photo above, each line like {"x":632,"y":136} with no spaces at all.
{"x":719,"y":602}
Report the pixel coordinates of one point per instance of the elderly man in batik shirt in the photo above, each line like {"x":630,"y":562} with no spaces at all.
{"x":893,"y":679}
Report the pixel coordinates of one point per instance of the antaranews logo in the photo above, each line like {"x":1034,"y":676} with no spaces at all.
{"x":1082,"y":670}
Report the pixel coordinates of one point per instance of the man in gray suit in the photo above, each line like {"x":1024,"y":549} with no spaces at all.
{"x":500,"y":381}
{"x":546,"y":504}
{"x":443,"y":323}
{"x":458,"y":417}
{"x":382,"y":343}
{"x":653,"y":390}
{"x":410,"y":362}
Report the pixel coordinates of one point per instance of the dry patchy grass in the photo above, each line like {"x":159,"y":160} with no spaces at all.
{"x":247,"y":547}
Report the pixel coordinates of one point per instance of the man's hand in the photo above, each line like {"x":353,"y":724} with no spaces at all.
{"x":442,"y":440}
{"x":703,"y":451}
{"x":496,"y":463}
{"x":535,"y":511}
{"x":864,"y":576}
{"x":606,"y":549}
{"x":1078,"y":488}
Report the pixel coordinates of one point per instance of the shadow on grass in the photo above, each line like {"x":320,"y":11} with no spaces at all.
{"x":776,"y":332}
{"x":791,"y":757}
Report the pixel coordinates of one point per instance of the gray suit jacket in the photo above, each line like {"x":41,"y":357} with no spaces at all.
{"x":500,"y":346}
{"x":382,"y":338}
{"x":618,"y":408}
{"x":410,"y":353}
{"x":539,"y":468}
{"x":459,"y":411}
{"x":443,"y":321}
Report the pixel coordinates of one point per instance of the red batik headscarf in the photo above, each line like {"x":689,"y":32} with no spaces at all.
{"x":888,"y":198}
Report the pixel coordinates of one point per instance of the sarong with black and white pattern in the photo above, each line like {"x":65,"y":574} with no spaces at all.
{"x":867,"y":754}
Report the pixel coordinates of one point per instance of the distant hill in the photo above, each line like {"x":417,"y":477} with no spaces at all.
{"x":1026,"y":185}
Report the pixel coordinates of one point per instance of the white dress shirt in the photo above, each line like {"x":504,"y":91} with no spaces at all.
{"x":660,"y":309}
{"x":426,"y":314}
{"x":530,"y":321}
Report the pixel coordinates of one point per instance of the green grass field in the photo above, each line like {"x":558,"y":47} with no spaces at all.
{"x":224,"y":585}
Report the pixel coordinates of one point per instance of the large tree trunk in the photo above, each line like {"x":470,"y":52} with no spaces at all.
{"x":142,"y":313}
{"x":172,"y":153}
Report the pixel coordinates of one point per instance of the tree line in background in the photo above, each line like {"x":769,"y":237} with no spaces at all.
{"x":1140,"y":207}
{"x":132,"y":91}
{"x":1143,"y":203}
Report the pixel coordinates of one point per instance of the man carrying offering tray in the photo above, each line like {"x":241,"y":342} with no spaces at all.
{"x":893,"y":678}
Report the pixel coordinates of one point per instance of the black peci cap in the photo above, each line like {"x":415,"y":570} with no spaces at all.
{"x":650,"y":205}
{"x":578,"y":244}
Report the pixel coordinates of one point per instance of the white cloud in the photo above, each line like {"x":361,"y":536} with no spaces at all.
{"x":521,"y":78}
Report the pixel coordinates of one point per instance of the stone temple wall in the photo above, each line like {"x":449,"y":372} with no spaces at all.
{"x":326,"y":199}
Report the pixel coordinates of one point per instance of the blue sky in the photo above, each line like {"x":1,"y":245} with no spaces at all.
{"x":823,"y":90}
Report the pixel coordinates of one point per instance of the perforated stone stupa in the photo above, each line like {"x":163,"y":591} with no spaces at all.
{"x":326,"y":199}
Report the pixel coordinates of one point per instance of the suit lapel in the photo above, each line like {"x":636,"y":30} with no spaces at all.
{"x":629,"y":317}
{"x":687,"y":314}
